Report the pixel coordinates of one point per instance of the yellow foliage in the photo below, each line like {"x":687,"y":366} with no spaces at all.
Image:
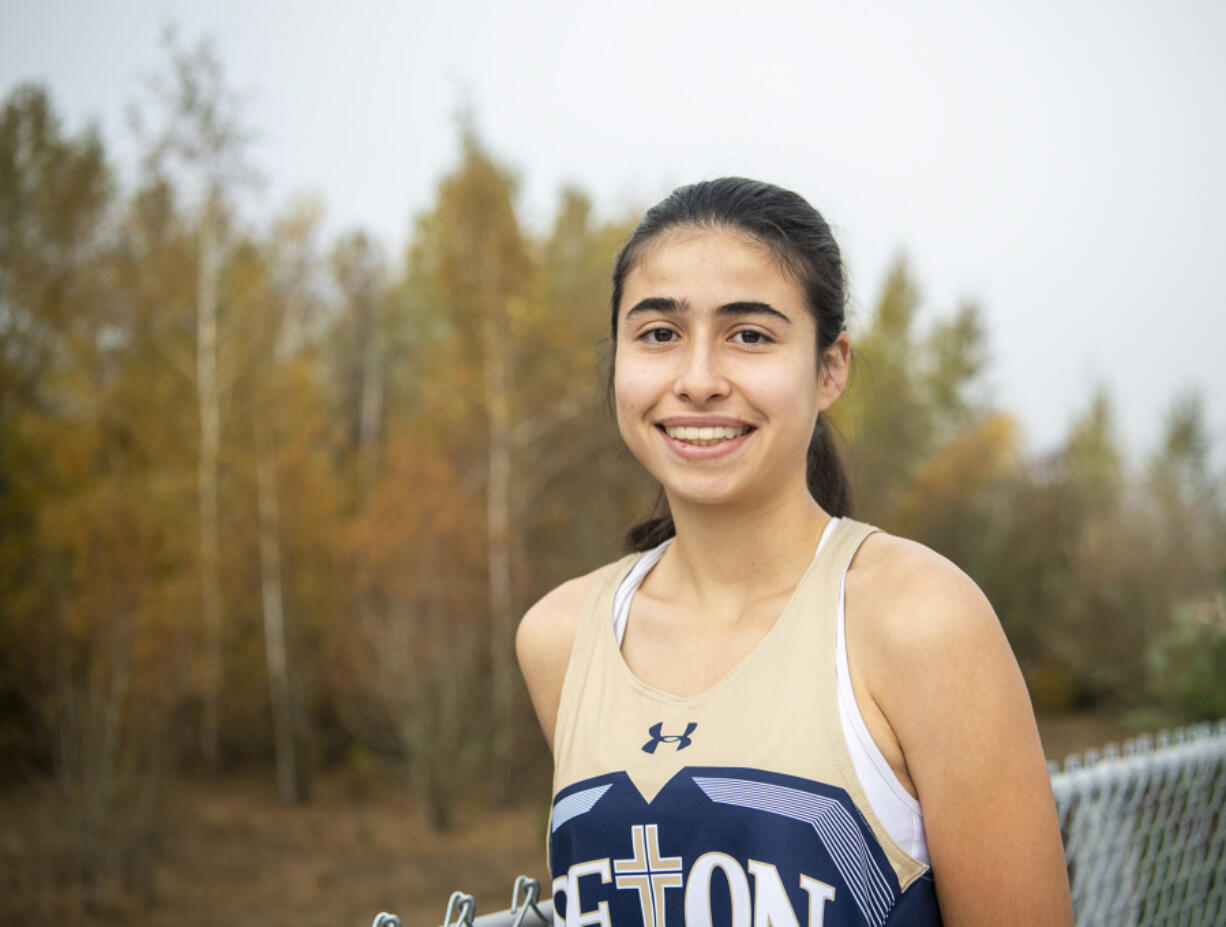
{"x":951,"y":478}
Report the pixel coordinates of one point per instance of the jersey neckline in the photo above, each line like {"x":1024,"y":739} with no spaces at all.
{"x":609,"y":633}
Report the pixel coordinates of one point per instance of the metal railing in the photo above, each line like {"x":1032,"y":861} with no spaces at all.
{"x":1144,"y":832}
{"x":527,"y":910}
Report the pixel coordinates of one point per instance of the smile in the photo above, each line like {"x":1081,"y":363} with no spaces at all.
{"x":705,"y":435}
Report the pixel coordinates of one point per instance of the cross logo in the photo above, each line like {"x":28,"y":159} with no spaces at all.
{"x":681,"y":740}
{"x":649,"y":873}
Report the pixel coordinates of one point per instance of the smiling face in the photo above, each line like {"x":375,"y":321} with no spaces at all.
{"x":715,"y":375}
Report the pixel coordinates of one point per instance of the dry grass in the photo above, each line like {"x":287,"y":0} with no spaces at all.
{"x":231,"y":855}
{"x":1063,"y":735}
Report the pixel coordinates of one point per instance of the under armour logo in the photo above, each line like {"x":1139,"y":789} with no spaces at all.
{"x":681,"y":740}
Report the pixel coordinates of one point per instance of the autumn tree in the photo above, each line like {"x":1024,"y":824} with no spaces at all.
{"x":1185,"y":511}
{"x":912,"y":395}
{"x":89,"y":559}
{"x":408,"y":663}
{"x":199,"y":149}
{"x":405,"y":373}
{"x":360,"y":272}
{"x":278,"y":454}
{"x":481,"y":266}
{"x":565,"y":438}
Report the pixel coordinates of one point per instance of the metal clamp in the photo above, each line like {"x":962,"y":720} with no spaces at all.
{"x":460,"y":910}
{"x":524,"y":896}
{"x":384,"y":919}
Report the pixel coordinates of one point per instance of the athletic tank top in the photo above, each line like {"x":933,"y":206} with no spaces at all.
{"x":739,"y":806}
{"x":897,"y":809}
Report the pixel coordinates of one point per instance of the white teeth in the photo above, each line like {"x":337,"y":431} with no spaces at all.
{"x":706,"y":434}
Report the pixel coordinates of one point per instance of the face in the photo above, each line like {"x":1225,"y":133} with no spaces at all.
{"x":716,"y":377}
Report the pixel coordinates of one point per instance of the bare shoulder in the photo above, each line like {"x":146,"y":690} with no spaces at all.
{"x":550,"y":624}
{"x":544,"y":640}
{"x":926,"y":644}
{"x":910,"y":599}
{"x":939,"y":669}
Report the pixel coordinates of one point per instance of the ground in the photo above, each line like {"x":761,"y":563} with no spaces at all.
{"x":232,"y":855}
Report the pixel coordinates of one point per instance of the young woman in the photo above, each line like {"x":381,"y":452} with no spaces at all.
{"x":770,"y":714}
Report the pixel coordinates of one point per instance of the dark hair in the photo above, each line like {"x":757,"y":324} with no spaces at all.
{"x":800,"y":239}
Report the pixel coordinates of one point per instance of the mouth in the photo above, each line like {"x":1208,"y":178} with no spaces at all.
{"x":705,"y":435}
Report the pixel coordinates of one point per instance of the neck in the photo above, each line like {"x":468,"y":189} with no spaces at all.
{"x":747,"y":550}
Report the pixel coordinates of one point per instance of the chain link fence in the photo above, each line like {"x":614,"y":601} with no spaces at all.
{"x":1144,"y":833}
{"x":527,"y":910}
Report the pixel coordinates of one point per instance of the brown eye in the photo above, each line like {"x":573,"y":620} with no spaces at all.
{"x":660,"y":335}
{"x":752,"y":336}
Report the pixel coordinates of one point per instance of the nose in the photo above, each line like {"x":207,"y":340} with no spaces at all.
{"x":700,"y":377}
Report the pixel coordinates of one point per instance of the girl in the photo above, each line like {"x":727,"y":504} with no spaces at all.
{"x":770,"y":714}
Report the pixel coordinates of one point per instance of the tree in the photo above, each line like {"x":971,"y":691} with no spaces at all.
{"x":883,"y":416}
{"x":201,"y":145}
{"x":1092,"y":458}
{"x":911,"y":395}
{"x":271,"y":321}
{"x":564,"y":439}
{"x":1183,"y":508}
{"x":54,"y":195}
{"x":1180,"y":470}
{"x":955,"y":358}
{"x":361,"y":275}
{"x":408,"y":663}
{"x":482,"y":268}
{"x":88,"y":563}
{"x":948,"y":504}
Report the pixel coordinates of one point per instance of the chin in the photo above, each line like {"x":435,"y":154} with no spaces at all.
{"x":696,"y":493}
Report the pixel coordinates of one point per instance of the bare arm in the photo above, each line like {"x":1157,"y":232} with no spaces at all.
{"x":939,"y":669}
{"x":543,"y":644}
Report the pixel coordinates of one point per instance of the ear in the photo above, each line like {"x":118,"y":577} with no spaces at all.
{"x":832,"y":378}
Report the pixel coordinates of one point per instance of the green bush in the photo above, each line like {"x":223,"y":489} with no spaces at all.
{"x":1187,"y":664}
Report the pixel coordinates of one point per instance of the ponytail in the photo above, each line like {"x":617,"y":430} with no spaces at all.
{"x":825,"y":475}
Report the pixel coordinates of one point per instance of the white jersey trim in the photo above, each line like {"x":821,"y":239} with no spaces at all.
{"x":630,"y":585}
{"x":898,"y":810}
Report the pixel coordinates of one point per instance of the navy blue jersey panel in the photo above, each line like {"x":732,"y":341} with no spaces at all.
{"x":722,"y":846}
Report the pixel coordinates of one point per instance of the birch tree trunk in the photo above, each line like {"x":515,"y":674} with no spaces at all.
{"x":503,"y":675}
{"x":290,"y":782}
{"x":371,"y":412}
{"x":210,"y":438}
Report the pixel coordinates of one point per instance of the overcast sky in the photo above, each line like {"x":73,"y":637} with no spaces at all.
{"x":1061,"y":163}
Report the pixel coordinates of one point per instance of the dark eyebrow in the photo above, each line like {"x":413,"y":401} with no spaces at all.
{"x":671,"y":305}
{"x":752,"y":308}
{"x":658,"y":304}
